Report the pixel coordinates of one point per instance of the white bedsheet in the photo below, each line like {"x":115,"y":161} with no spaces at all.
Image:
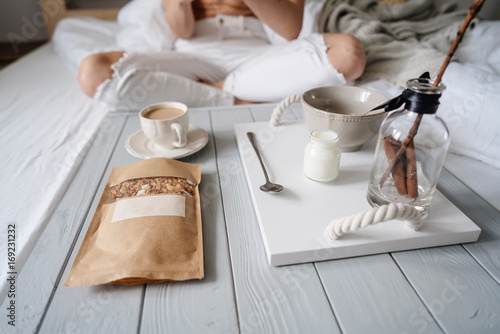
{"x":46,"y":124}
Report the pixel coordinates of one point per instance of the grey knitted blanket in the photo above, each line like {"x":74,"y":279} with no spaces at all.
{"x":402,"y":41}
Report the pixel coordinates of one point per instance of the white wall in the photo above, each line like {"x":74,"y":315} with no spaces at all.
{"x":21,"y":20}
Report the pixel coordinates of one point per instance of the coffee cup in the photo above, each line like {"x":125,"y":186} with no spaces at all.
{"x":165,"y":124}
{"x":343,"y":109}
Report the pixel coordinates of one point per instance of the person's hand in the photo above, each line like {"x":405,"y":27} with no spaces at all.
{"x":180,"y":17}
{"x":289,"y":12}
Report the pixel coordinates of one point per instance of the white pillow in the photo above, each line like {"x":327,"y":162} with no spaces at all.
{"x":470,"y":108}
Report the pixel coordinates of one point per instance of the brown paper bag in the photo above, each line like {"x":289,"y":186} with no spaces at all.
{"x":146,"y":228}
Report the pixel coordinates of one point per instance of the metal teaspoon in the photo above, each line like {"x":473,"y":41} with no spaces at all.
{"x":268,"y":186}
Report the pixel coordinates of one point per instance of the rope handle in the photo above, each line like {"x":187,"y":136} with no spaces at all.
{"x":281,"y":107}
{"x":386,"y":212}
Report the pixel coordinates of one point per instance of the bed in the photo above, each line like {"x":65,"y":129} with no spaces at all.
{"x":48,"y":125}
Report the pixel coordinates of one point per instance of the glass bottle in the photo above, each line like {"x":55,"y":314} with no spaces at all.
{"x":415,"y":173}
{"x":322,"y":156}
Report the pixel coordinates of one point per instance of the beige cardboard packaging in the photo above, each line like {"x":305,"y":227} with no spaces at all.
{"x":146,"y":228}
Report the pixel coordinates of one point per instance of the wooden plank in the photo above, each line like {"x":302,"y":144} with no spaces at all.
{"x":102,"y":308}
{"x":482,"y":178}
{"x":459,"y":294}
{"x":269,"y":299}
{"x":370,"y":294}
{"x":206,"y":306}
{"x":263,"y":112}
{"x":487,"y":249}
{"x":457,"y":291}
{"x":413,"y":315}
{"x":42,"y":269}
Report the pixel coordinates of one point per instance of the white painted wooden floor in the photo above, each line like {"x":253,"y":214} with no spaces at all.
{"x":453,"y":289}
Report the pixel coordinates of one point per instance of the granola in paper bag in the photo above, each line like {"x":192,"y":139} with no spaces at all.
{"x":146,"y":228}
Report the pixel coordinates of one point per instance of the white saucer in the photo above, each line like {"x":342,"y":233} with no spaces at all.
{"x":140,"y":146}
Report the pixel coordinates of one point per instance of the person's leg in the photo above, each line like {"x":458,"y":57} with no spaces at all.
{"x":130,"y":81}
{"x":295,"y":67}
{"x":95,"y":69}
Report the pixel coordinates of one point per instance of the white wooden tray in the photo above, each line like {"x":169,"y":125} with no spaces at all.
{"x":292,"y":222}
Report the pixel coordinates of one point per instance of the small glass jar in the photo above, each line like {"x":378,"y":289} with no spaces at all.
{"x":322,"y":156}
{"x":413,"y":176}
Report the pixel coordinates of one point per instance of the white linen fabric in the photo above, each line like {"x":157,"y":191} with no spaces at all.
{"x":284,"y":70}
{"x":143,"y":27}
{"x":77,"y":38}
{"x":46,"y":127}
{"x":139,"y":81}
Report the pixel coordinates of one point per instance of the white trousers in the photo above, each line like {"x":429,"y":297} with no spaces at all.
{"x":231,"y":48}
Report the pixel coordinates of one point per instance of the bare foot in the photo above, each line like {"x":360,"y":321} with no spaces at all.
{"x":217,"y":85}
{"x":238,"y":101}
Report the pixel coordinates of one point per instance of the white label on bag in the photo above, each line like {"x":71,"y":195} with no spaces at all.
{"x":160,"y":205}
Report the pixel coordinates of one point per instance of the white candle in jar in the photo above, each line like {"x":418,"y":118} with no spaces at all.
{"x":322,"y":156}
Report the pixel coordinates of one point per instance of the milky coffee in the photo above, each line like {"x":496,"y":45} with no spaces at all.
{"x":164,"y":113}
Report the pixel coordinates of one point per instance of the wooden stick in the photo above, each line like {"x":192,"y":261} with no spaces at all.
{"x":471,"y":13}
{"x":411,"y":171}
